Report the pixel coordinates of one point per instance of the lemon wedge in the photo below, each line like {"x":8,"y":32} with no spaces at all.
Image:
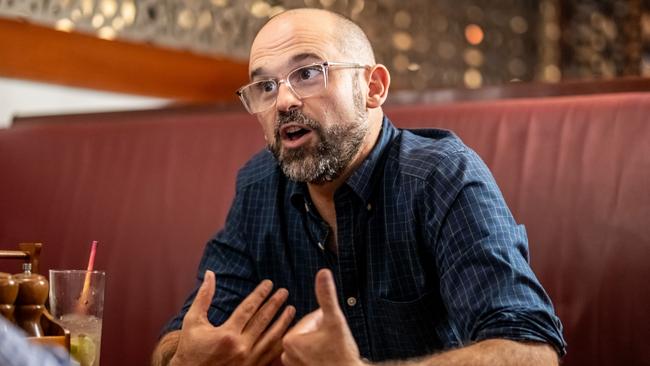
{"x":83,"y":349}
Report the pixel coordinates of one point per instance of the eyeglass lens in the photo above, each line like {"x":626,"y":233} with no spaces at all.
{"x":304,"y":81}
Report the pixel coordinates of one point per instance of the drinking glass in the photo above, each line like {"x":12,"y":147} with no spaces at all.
{"x":77,"y":302}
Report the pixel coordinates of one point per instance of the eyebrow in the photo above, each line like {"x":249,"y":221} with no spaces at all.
{"x":301,"y":57}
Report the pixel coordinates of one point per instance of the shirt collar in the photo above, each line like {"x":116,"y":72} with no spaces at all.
{"x":360,"y":181}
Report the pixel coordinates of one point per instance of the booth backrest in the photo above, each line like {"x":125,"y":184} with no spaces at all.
{"x":152,"y":187}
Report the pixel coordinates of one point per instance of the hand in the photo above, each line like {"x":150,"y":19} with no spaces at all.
{"x":322,"y":337}
{"x":242,"y":339}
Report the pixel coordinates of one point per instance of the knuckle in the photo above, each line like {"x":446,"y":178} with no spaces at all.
{"x":228,"y":340}
{"x":264,"y":319}
{"x":288,"y":342}
{"x":239,"y":352}
{"x":262,"y":293}
{"x":249,"y":308}
{"x":201,"y":293}
{"x":234,"y":344}
{"x":276,"y":301}
{"x":188,"y":320}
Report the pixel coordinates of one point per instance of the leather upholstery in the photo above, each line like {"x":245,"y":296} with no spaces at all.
{"x":152,"y":187}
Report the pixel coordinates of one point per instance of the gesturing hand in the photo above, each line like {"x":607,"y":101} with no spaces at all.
{"x":243,"y":339}
{"x":323,"y":336}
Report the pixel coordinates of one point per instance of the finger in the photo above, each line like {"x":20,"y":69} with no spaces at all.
{"x":326,"y":292}
{"x":286,"y":361}
{"x":199,"y":309}
{"x":278,"y":329}
{"x":271,"y":343}
{"x":288,"y":356}
{"x":247,"y":308}
{"x":309,"y":323}
{"x":293,"y":350}
{"x":276,"y":362}
{"x":271,"y":355}
{"x":264,"y":315}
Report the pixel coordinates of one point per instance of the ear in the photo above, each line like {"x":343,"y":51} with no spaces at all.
{"x":378,"y":84}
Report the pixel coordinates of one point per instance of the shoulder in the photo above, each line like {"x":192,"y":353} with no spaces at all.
{"x":423,"y":153}
{"x":257,"y":183}
{"x":259,"y":169}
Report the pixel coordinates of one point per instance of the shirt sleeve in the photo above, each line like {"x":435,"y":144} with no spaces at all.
{"x":16,"y":350}
{"x":226,"y":255}
{"x":486,"y":282}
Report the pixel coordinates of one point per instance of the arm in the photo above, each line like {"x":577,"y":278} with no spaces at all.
{"x":225,"y":255}
{"x":324,"y":338}
{"x":166,"y":348}
{"x":481,"y":258}
{"x":242,"y":340}
{"x":490,"y":352}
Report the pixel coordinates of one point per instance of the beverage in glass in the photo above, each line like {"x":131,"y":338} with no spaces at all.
{"x":77,"y":302}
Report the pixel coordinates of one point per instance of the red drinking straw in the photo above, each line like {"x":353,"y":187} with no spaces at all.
{"x":91,"y":260}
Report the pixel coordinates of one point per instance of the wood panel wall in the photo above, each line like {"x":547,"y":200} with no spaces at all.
{"x":38,"y":53}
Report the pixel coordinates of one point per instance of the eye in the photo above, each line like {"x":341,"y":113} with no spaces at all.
{"x":310,"y":72}
{"x":266,"y":86}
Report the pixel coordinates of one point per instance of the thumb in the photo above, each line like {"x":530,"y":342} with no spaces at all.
{"x":199,"y":309}
{"x":326,"y":293}
{"x":309,"y":323}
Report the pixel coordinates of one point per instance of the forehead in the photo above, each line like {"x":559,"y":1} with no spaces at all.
{"x":289,"y":42}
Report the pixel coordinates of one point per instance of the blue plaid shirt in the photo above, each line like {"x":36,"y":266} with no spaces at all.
{"x":429,"y":255}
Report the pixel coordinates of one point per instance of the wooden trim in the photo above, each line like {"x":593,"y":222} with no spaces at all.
{"x":180,"y":110}
{"x":43,"y":54}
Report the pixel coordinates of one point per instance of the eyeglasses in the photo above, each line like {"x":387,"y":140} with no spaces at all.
{"x":304,"y":82}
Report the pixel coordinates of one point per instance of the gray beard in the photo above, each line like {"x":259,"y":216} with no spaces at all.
{"x":336,"y":148}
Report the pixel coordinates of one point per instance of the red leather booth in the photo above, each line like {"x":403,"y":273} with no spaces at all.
{"x":153,"y":186}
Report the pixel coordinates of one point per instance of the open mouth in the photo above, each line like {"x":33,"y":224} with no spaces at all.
{"x":294,"y":132}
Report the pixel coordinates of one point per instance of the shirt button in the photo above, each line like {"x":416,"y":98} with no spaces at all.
{"x":369,"y":207}
{"x":320,"y":245}
{"x":352,"y":301}
{"x":306,"y":206}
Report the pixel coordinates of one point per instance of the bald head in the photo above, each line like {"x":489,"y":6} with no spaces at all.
{"x":347,"y":37}
{"x":340,"y":112}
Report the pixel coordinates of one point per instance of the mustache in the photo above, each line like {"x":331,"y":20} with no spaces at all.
{"x":295,"y":116}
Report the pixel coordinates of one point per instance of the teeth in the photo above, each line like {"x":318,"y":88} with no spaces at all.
{"x":293,"y":129}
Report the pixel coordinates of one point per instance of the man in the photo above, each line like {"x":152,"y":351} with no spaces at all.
{"x":408,"y":230}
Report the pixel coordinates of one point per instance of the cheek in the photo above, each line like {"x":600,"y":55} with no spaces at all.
{"x":342,"y":102}
{"x":268,"y":127}
{"x":338,"y":110}
{"x":328,"y":109}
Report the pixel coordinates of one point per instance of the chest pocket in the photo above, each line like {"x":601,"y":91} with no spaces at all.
{"x":405,"y":272}
{"x":403,"y":329}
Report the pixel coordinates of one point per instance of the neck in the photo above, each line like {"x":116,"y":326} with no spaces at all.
{"x":322,"y":195}
{"x":326,"y":190}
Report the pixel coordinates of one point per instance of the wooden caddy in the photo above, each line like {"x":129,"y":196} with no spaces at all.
{"x":54,"y":332}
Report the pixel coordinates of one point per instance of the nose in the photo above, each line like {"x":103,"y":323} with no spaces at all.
{"x":286,"y":99}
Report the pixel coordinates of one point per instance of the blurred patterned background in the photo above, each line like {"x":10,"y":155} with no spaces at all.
{"x":427,"y":44}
